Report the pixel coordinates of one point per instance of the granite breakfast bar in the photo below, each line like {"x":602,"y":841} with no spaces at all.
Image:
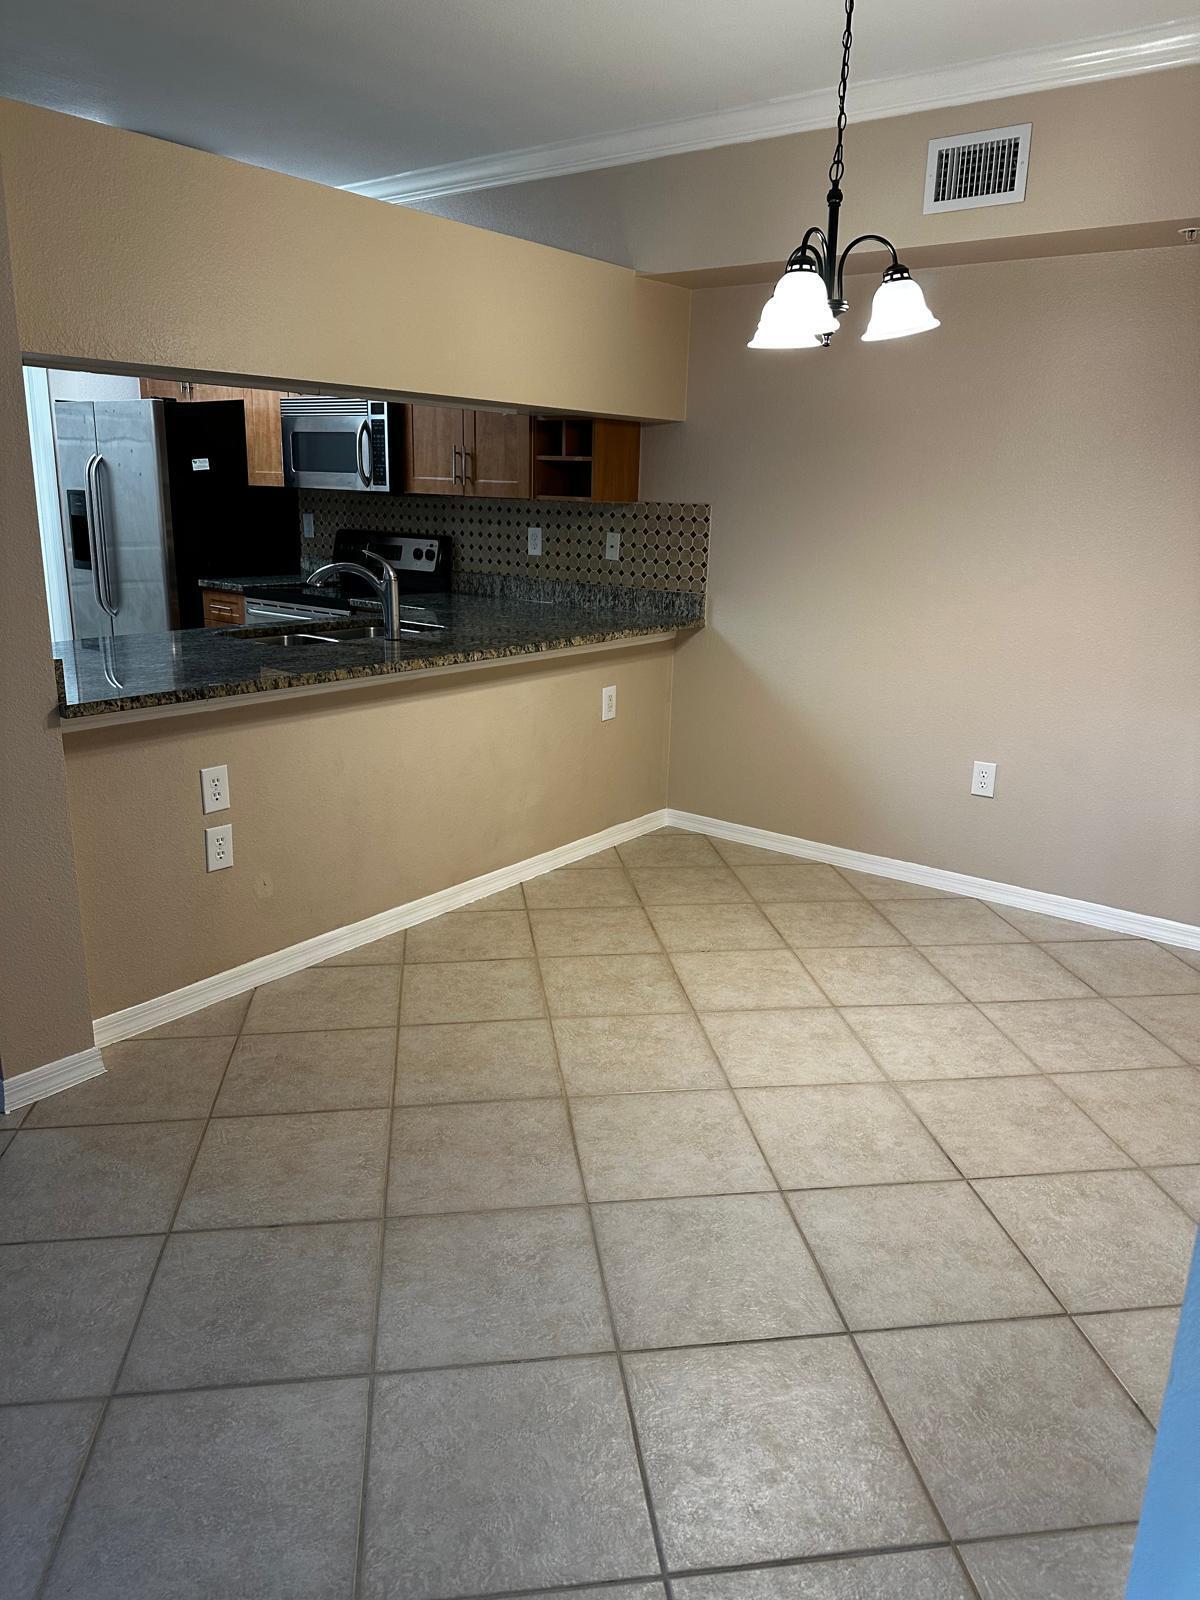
{"x":144,"y":672}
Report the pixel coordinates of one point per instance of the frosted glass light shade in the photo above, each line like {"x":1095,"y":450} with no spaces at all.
{"x":897,"y":310}
{"x":796,"y":314}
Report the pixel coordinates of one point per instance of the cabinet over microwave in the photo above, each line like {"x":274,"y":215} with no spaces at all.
{"x":342,"y":444}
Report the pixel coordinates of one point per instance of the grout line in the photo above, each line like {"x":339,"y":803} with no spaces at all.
{"x":369,"y":1419}
{"x":137,"y":1322}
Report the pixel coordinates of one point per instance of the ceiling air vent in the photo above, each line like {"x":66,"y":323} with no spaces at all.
{"x":977,"y":169}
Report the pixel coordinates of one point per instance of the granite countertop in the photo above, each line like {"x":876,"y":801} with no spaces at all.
{"x":137,"y":671}
{"x":252,"y":580}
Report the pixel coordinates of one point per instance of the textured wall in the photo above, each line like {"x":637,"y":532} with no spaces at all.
{"x":198,"y":264}
{"x":346,"y":804}
{"x":980,"y":543}
{"x":44,"y":1010}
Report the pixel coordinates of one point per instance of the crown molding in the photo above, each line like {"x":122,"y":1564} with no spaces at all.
{"x":1112,"y":55}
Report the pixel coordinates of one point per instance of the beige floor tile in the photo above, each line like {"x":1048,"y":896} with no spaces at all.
{"x":624,"y":1055}
{"x":750,"y":855}
{"x":902,"y":1254}
{"x":490,"y":1286}
{"x":899,"y":1575}
{"x":1006,"y":972}
{"x":324,"y":1166}
{"x":949,"y":922}
{"x":226,"y":1017}
{"x":604,"y":986}
{"x":708,"y":1270}
{"x":503,"y":900}
{"x":618,"y":930}
{"x":1192,"y":957}
{"x":1127,"y":967}
{"x":1049,"y":930}
{"x":475,"y":1061}
{"x":1103,"y":1241}
{"x":828,"y":1135}
{"x":1137,"y":1345}
{"x":1078,"y":1035}
{"x":1001,"y":1127}
{"x":644,"y":1146}
{"x":1183,"y":1185}
{"x":877,"y":977}
{"x":1175,"y":1019}
{"x":471,"y":991}
{"x":1092,"y":1565}
{"x":145,"y":1080}
{"x":482,"y":1157}
{"x":1154,"y":1114}
{"x":333,"y":1071}
{"x":598,"y":858}
{"x":736,"y":927}
{"x":950,"y":1041}
{"x":385,"y":952}
{"x":682,"y":886}
{"x":326,"y":997}
{"x":669,"y":850}
{"x":765,"y":1451}
{"x":837,"y":922}
{"x":803,"y":881}
{"x":470,"y":936}
{"x":877,"y":888}
{"x":814,"y":1045}
{"x":746,"y":980}
{"x":985,"y":1408}
{"x":580,"y":888}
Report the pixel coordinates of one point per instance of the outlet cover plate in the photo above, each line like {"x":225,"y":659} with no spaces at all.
{"x":534,"y":541}
{"x":214,"y":789}
{"x":608,"y":703}
{"x":983,"y":779}
{"x":218,"y":847}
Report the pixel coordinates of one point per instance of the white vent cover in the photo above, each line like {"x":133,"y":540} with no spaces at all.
{"x":977,"y":169}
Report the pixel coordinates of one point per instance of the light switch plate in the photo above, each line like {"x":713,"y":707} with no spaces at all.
{"x":612,"y":546}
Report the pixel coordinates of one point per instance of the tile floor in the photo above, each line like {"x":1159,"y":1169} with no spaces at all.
{"x":695,"y":1222}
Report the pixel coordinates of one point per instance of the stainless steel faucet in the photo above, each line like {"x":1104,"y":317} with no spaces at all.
{"x":383,"y":582}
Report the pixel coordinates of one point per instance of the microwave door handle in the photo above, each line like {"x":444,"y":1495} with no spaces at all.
{"x":364,"y":471}
{"x":105,"y":595}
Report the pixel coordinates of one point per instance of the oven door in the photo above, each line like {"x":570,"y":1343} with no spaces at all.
{"x":327,"y":449}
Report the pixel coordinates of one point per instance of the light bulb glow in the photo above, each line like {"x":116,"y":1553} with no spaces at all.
{"x":898,"y":310}
{"x":796,"y":314}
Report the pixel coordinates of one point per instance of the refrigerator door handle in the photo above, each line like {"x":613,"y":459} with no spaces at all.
{"x":89,"y":507}
{"x":98,"y":534}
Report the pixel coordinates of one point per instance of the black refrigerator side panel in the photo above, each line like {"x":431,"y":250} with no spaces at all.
{"x":206,"y":470}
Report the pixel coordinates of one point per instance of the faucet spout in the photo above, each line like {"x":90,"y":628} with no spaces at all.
{"x":384,"y":582}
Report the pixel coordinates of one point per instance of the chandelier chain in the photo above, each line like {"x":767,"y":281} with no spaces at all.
{"x":838,"y":166}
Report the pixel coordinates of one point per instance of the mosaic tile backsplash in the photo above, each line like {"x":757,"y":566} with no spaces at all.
{"x":663,"y":545}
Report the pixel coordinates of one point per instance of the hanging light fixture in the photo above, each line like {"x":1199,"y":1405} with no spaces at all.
{"x":807,"y":301}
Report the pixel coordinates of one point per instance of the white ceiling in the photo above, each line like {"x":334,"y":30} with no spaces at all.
{"x":345,"y":91}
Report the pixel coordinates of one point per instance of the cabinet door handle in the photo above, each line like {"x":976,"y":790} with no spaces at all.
{"x":468,"y":462}
{"x":453,"y":463}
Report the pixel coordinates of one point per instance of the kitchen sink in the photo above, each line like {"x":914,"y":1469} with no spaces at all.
{"x":302,"y":638}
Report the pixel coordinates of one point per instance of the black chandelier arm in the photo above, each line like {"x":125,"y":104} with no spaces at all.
{"x":817,"y":253}
{"x":863,"y":238}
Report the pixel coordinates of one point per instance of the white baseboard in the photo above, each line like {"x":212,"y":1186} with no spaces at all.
{"x":26,"y":1087}
{"x":1137,"y":923}
{"x":281,"y":963}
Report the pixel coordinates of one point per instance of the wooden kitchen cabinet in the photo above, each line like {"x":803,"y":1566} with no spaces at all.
{"x":498,"y":464}
{"x":449,"y":450}
{"x":222,"y":608}
{"x":434,"y":441}
{"x":586,"y":458}
{"x":264,"y":447}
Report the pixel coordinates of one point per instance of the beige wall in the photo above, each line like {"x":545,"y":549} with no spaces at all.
{"x":347,"y":804}
{"x":1105,"y":156}
{"x":134,"y":253}
{"x":44,"y":1010}
{"x":980,"y":543}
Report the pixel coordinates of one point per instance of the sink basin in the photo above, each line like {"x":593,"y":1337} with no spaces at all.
{"x":303,"y":638}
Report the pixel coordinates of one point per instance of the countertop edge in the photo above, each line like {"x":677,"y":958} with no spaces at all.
{"x":274,"y":687}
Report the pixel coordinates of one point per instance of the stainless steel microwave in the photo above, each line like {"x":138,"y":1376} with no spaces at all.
{"x":342,"y":444}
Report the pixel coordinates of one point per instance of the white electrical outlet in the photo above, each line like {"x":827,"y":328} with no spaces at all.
{"x":218,"y":847}
{"x":608,"y":703}
{"x":612,"y":546}
{"x":535,"y":541}
{"x":214,"y":789}
{"x":983,"y":779}
{"x":308,"y":524}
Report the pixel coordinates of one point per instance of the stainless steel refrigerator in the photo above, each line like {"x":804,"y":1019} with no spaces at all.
{"x":154,"y":497}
